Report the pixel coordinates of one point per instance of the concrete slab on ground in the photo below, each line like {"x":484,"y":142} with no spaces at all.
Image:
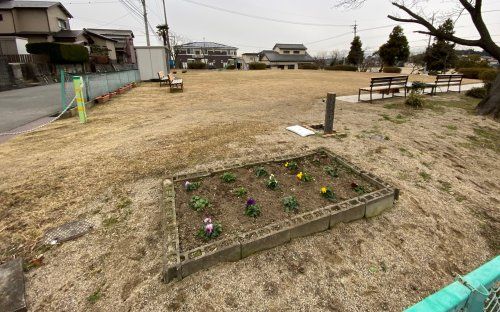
{"x":12,"y":291}
{"x":376,"y":96}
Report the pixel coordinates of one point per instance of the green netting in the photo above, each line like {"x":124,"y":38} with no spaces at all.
{"x":95,"y":84}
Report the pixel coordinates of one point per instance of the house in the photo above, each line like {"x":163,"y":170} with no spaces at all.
{"x":37,"y":21}
{"x":285,"y":56}
{"x":98,"y":45}
{"x":215,"y":55}
{"x":250,"y":58}
{"x":124,"y":45}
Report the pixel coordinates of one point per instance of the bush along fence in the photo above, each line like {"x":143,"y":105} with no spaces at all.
{"x":97,"y":87}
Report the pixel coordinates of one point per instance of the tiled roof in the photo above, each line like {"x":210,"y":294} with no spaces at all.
{"x":11,"y":4}
{"x":274,"y":56}
{"x":294,"y":46}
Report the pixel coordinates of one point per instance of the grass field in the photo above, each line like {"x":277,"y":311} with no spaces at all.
{"x":443,"y":158}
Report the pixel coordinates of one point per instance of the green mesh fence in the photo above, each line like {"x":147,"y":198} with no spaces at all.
{"x":95,"y":84}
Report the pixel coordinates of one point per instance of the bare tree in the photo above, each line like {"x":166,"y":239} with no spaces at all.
{"x":489,"y":105}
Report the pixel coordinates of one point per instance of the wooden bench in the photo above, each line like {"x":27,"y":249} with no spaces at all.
{"x":175,"y":83}
{"x":171,"y":80}
{"x":448,"y":80}
{"x":385,"y":85}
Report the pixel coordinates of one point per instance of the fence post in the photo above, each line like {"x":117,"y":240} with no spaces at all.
{"x":63,"y":89}
{"x":78,"y":84}
{"x":329,"y":113}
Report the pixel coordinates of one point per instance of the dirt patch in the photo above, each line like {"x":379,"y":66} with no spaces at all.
{"x":228,"y":208}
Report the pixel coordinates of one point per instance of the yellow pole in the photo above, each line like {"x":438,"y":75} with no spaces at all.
{"x":78,"y":85}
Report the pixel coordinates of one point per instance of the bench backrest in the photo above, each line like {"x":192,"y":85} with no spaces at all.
{"x":445,"y":79}
{"x":161,"y":74}
{"x":395,"y":81}
{"x":171,"y":77}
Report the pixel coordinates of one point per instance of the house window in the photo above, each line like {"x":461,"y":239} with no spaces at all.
{"x":286,"y":52}
{"x":296,"y":52}
{"x":197,"y":52}
{"x":62,"y":24}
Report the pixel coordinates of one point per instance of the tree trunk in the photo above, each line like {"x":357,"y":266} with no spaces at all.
{"x":490,"y":105}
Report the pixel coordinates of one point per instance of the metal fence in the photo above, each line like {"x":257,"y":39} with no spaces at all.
{"x":96,"y":84}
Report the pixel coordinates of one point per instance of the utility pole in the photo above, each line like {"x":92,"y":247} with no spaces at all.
{"x":145,"y":14}
{"x":432,"y":22}
{"x":169,"y":48}
{"x":355,"y":28}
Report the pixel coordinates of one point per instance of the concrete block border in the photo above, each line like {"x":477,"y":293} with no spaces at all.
{"x":179,"y":265}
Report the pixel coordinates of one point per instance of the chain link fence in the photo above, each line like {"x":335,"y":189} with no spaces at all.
{"x":95,"y":84}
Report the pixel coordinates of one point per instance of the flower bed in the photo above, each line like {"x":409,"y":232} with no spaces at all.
{"x":229,"y":214}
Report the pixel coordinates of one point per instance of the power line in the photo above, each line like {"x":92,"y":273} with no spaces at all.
{"x":347,"y":33}
{"x":261,"y":17}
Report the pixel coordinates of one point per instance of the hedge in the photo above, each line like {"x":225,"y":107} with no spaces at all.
{"x":60,"y":53}
{"x":488,"y":75}
{"x":389,"y":69}
{"x":342,"y":67}
{"x":473,"y":72}
{"x":308,"y":66}
{"x":257,"y":66}
{"x":197,"y":65}
{"x":230,"y":67}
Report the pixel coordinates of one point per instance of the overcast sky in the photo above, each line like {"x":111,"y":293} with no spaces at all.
{"x":234,"y":22}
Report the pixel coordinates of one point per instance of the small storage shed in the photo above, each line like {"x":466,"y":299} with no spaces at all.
{"x":151,"y":60}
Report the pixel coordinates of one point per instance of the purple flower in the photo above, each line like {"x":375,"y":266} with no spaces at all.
{"x":207,"y":220}
{"x":251,"y":202}
{"x":209,"y":228}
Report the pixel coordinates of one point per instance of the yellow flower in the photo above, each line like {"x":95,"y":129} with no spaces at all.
{"x":299,"y":175}
{"x":286,"y":164}
{"x":323,"y":190}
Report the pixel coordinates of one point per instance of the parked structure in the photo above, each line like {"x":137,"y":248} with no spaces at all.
{"x":37,"y":21}
{"x":285,"y":56}
{"x":124,"y":45}
{"x":215,"y":55}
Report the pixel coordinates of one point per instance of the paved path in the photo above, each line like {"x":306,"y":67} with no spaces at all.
{"x":365,"y":96}
{"x":21,"y":106}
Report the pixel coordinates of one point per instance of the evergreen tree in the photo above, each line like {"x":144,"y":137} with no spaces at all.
{"x":396,"y":50}
{"x":356,"y":54}
{"x":441,"y":54}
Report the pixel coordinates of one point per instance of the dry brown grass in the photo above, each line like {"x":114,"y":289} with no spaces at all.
{"x":443,"y":224}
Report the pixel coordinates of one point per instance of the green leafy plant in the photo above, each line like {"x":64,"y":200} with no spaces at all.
{"x":228,"y":177}
{"x":198,"y":203}
{"x":291,"y":165}
{"x":305,"y":177}
{"x":191,"y":186}
{"x":328,"y":193}
{"x":240,"y":191}
{"x":272,"y":183}
{"x":478,"y":93}
{"x":359,"y":189}
{"x":261,"y":172}
{"x":209,"y":229}
{"x":415,"y":100}
{"x":252,"y":209}
{"x":331,"y":171}
{"x":291,"y":204}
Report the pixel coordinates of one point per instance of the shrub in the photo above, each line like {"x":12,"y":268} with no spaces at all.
{"x":415,"y":100}
{"x":228,"y":177}
{"x":390,"y":69}
{"x":197,"y":65}
{"x":230,"y":67}
{"x":290,"y":203}
{"x":488,"y":76}
{"x":257,"y":66}
{"x":198,"y":203}
{"x":473,"y":72}
{"x":473,"y":60}
{"x":342,"y":67}
{"x":60,"y":53}
{"x":478,"y":93}
{"x":308,"y":66}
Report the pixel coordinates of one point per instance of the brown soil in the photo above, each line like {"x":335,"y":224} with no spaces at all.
{"x":228,"y":209}
{"x":444,"y":160}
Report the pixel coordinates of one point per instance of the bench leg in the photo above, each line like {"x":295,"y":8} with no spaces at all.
{"x":359,"y":96}
{"x":371,"y":100}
